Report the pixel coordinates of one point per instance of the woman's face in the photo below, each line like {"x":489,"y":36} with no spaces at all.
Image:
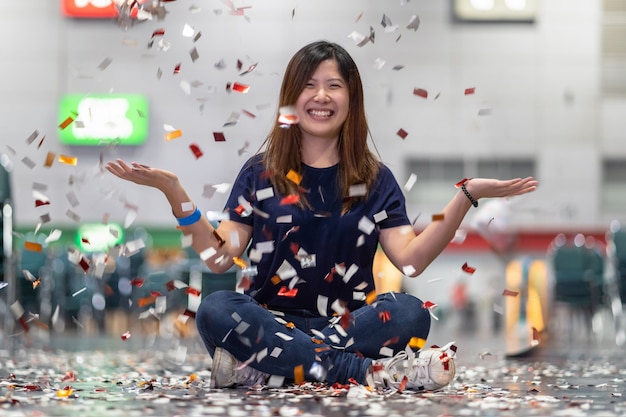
{"x":323,"y":105}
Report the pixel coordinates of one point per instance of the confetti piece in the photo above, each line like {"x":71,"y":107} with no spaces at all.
{"x":290,"y":199}
{"x":286,"y":292}
{"x":219,"y":137}
{"x":68,"y":160}
{"x":65,"y":123}
{"x":287,"y":116}
{"x":32,"y":246}
{"x":173,"y":134}
{"x":469,"y":91}
{"x":460,"y":183}
{"x":240,"y":88}
{"x":125,"y":335}
{"x":420,"y":92}
{"x":294,"y":177}
{"x":410,"y":182}
{"x":414,"y":23}
{"x":437,"y":217}
{"x":79,"y":291}
{"x":50,"y":158}
{"x":195,"y":149}
{"x":510,"y":293}
{"x":357,"y":190}
{"x":417,"y":342}
{"x":104,"y":64}
{"x":468,"y":269}
{"x":402,"y":133}
{"x":249,"y":70}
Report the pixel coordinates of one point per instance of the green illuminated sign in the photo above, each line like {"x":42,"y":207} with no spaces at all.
{"x":95,"y":237}
{"x":102,"y":119}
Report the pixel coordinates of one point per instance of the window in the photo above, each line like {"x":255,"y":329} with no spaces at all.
{"x":613,"y":185}
{"x":435,"y":178}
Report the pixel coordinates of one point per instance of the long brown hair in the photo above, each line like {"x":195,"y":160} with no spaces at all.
{"x":357,"y":164}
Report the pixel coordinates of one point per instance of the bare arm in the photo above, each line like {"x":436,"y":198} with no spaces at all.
{"x":211,"y":244}
{"x":408,"y":251}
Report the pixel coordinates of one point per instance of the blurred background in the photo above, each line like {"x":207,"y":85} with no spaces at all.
{"x":454,"y":89}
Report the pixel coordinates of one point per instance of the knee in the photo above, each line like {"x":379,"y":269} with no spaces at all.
{"x":415,"y":312}
{"x":213,"y":307}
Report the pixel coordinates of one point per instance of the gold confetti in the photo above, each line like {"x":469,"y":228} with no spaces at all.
{"x":294,"y":177}
{"x":68,"y":160}
{"x":417,"y":342}
{"x":298,"y":374}
{"x":173,"y":134}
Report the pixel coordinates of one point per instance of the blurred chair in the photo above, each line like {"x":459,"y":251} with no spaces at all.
{"x":578,"y":274}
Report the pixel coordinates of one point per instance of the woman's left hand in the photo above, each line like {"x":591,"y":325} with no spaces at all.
{"x":489,"y":187}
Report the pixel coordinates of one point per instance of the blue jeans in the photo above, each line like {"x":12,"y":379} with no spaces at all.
{"x":237,"y":323}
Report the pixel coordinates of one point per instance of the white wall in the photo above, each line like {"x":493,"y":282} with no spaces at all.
{"x":541,"y":82}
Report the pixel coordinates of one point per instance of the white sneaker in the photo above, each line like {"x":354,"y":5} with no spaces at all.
{"x":228,"y":372}
{"x":428,"y":370}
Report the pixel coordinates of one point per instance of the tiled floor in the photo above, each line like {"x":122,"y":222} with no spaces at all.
{"x":566,"y":375}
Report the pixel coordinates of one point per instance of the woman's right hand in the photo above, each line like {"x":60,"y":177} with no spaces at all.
{"x":142,"y":174}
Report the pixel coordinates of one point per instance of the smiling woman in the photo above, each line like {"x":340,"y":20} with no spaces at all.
{"x":312,"y":211}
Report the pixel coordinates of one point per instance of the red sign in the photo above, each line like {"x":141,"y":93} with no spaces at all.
{"x":89,"y":9}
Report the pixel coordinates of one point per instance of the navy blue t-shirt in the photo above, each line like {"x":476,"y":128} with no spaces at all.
{"x":313,"y":259}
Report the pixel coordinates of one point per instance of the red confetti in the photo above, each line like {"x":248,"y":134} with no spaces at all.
{"x":240,"y":209}
{"x":468,"y":269}
{"x":510,"y":293}
{"x":420,"y":92}
{"x":469,"y":91}
{"x":177,"y":69}
{"x":126,"y":335}
{"x":346,"y":319}
{"x":219,"y":137}
{"x":39,"y":203}
{"x":197,"y":152}
{"x":290,"y":199}
{"x":384,"y":316}
{"x":429,"y":305}
{"x":192,"y":291}
{"x":402,"y":133}
{"x":170,"y":285}
{"x":535,"y":336}
{"x":70,"y":376}
{"x":240,"y":88}
{"x":286,"y":292}
{"x":156,"y":294}
{"x":249,"y":114}
{"x":445,"y":359}
{"x":245,"y":283}
{"x":84,"y":264}
{"x":463,"y":181}
{"x":24,"y":324}
{"x":158,"y":32}
{"x":190,"y":313}
{"x":137,"y":282}
{"x":294,"y":247}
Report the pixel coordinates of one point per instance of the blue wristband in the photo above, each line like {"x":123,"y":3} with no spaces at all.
{"x":191,"y":219}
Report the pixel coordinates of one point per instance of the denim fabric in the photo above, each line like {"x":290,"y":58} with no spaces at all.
{"x":237,"y":323}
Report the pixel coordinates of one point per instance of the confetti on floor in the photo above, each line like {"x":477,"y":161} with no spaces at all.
{"x":170,"y":378}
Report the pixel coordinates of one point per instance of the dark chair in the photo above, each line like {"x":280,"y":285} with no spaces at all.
{"x":578,"y":277}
